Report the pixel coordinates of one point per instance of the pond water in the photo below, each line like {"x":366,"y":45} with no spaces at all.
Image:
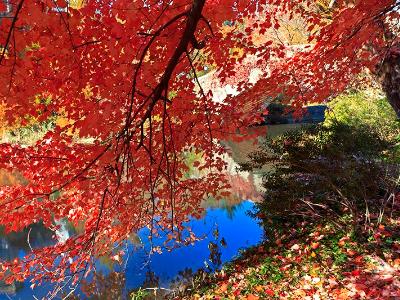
{"x":224,"y":229}
{"x":228,"y":229}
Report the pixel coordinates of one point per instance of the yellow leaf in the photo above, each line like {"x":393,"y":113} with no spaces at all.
{"x":259,"y":288}
{"x":76,"y":4}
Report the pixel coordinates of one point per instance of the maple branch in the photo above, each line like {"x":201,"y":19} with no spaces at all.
{"x":66,"y":24}
{"x":173,"y":181}
{"x":88,"y":166}
{"x":85,"y":44}
{"x":193,"y":17}
{"x":14,"y":64}
{"x":68,"y":182}
{"x":197,"y":45}
{"x":166,"y":154}
{"x":204,"y":97}
{"x":160,"y":14}
{"x":205,"y":20}
{"x":160,"y":92}
{"x":142,"y":57}
{"x":101,"y":208}
{"x":146,"y":34}
{"x":12,"y":27}
{"x":191,"y":25}
{"x":364,"y":22}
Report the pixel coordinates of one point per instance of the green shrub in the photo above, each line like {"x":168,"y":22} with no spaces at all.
{"x":345,"y":165}
{"x":368,"y":108}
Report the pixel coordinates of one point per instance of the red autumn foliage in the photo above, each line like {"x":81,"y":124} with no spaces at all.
{"x":123,"y":74}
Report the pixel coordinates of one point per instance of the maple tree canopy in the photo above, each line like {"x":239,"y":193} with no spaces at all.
{"x":120,"y":83}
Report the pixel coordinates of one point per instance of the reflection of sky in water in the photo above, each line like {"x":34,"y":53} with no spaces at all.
{"x":241,"y":231}
{"x":234,"y":225}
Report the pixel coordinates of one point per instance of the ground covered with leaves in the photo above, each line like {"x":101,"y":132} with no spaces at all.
{"x":311,"y":261}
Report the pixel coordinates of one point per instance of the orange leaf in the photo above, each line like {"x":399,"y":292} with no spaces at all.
{"x":223,"y":288}
{"x":315,"y":245}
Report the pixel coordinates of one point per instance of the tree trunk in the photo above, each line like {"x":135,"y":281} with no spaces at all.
{"x":391,"y":79}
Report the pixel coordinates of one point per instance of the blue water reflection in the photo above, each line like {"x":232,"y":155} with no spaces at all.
{"x":238,"y":231}
{"x":228,"y":230}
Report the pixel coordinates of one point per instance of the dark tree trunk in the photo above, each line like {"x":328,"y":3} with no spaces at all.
{"x":391,"y":79}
